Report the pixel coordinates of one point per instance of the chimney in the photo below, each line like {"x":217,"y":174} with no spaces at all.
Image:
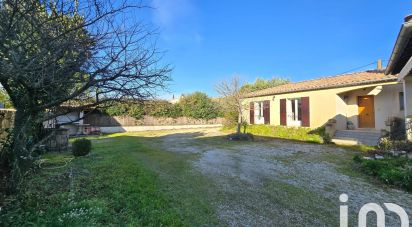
{"x":408,"y":18}
{"x":379,"y":64}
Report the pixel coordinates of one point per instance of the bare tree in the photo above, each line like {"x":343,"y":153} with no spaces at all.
{"x":232,"y":95}
{"x":54,"y":51}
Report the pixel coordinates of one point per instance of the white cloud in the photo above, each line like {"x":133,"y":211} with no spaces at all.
{"x":177,"y":19}
{"x":168,"y":13}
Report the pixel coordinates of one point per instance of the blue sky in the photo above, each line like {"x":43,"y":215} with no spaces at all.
{"x":209,"y":41}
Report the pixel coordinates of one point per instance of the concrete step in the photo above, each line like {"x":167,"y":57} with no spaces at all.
{"x":345,"y":141}
{"x":356,"y":137}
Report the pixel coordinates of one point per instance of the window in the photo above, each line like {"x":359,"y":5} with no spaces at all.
{"x":259,"y":109}
{"x":296,"y":109}
{"x":401,"y":101}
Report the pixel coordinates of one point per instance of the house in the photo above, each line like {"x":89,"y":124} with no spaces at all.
{"x":401,"y":63}
{"x":359,"y":102}
{"x":75,"y":120}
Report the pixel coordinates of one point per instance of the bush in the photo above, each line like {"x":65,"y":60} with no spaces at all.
{"x":81,"y":147}
{"x":135,"y":110}
{"x":326,"y":138}
{"x":199,"y":106}
{"x":402,"y":146}
{"x":164,"y":109}
{"x":398,"y":130}
{"x":231,"y":118}
{"x":395,"y":171}
{"x":385,"y":144}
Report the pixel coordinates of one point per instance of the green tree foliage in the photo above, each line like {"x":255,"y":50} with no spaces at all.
{"x":131,"y":109}
{"x":5,"y":99}
{"x":164,"y":109}
{"x":261,"y":84}
{"x":63,"y":52}
{"x":199,"y":106}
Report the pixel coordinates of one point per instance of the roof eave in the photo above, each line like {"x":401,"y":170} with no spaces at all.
{"x":403,"y":37}
{"x":325,"y":88}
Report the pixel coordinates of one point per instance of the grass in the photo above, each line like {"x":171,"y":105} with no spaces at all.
{"x":282,"y":132}
{"x":128,"y":179}
{"x":396,"y":171}
{"x":117,"y":184}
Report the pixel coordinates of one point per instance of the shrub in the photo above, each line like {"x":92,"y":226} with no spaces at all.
{"x":231,"y":118}
{"x":402,"y":146}
{"x":395,"y":171}
{"x":199,"y":106}
{"x":391,"y":176}
{"x":164,"y":109}
{"x":398,"y":131}
{"x":117,"y":109}
{"x":81,"y":147}
{"x":135,"y":110}
{"x":326,"y":138}
{"x":385,"y":144}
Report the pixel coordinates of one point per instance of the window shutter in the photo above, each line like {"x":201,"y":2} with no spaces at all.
{"x":252,"y":113}
{"x":305,"y":112}
{"x":283,"y":112}
{"x":266,"y":111}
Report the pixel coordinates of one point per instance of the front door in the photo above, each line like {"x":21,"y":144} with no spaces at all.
{"x":366,"y":111}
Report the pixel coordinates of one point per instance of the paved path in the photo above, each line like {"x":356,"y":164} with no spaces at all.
{"x":281,"y":183}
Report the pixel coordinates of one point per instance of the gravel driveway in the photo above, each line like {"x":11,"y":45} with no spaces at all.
{"x":278,"y":182}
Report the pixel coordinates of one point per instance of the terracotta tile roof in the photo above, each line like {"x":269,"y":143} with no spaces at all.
{"x":345,"y":80}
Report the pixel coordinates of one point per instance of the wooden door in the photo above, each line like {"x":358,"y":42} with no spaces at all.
{"x":366,"y":110}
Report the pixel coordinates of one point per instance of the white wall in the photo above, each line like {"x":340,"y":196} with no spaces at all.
{"x":387,"y":105}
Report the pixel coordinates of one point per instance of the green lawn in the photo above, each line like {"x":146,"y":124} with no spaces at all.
{"x":115,"y":185}
{"x":188,"y":178}
{"x":281,"y":132}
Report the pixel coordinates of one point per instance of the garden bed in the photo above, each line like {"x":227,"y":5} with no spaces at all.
{"x":391,"y":163}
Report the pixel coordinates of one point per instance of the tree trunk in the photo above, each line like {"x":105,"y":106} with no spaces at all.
{"x":239,"y":123}
{"x":24,"y":135}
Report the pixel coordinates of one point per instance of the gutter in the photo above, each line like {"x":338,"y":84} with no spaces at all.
{"x":403,"y":38}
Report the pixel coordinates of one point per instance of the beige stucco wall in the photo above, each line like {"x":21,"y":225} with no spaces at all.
{"x":386,"y":103}
{"x":329,"y":103}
